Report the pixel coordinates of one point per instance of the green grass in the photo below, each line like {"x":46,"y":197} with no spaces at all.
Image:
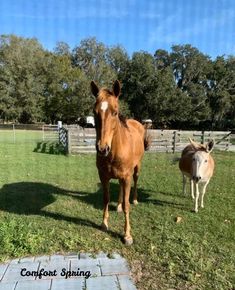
{"x":53,"y":203}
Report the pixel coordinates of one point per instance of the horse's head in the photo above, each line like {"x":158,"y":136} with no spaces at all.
{"x":200,"y":159}
{"x":106,"y":111}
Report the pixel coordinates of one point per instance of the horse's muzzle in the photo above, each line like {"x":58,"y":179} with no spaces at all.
{"x":103,"y":151}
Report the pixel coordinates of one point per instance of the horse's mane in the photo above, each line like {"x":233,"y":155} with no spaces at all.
{"x":123,"y":120}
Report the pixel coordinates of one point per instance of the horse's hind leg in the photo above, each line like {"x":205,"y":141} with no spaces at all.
{"x":105,"y":185}
{"x":135,"y":177}
{"x":120,"y":198}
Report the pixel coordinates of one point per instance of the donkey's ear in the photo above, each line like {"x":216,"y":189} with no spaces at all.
{"x":116,"y":88}
{"x":94,"y":88}
{"x":195,"y":144}
{"x":210,"y":146}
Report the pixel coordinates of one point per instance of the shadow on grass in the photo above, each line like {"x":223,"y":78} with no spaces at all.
{"x":49,"y":148}
{"x":30,"y":198}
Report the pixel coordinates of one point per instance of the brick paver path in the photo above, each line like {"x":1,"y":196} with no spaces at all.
{"x":66,"y":272}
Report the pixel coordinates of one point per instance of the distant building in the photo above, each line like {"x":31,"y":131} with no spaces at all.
{"x":87,"y":122}
{"x":148,"y":123}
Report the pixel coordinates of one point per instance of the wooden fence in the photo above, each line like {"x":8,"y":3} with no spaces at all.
{"x":50,"y":133}
{"x":78,"y":140}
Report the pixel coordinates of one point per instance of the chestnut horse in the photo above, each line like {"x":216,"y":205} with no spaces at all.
{"x":120,"y":146}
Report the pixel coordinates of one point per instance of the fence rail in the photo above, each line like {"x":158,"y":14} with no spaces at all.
{"x":76,"y":139}
{"x":82,"y":140}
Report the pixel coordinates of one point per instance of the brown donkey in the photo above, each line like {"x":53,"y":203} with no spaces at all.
{"x":120,"y":146}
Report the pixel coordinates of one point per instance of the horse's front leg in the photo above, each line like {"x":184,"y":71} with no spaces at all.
{"x":105,"y":185}
{"x":120,"y":198}
{"x":126,"y":186}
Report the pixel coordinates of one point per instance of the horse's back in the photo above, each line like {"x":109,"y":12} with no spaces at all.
{"x":133,"y":124}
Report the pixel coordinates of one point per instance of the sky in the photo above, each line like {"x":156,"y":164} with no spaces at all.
{"x":136,"y":25}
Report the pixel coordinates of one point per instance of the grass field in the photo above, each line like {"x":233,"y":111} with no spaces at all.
{"x":53,"y":203}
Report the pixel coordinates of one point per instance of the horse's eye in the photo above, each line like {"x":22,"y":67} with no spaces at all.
{"x":114,"y":114}
{"x":206,"y":160}
{"x":194,"y":159}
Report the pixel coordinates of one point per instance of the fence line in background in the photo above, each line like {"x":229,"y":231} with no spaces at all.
{"x":49,"y":132}
{"x":82,"y":140}
{"x":76,"y":139}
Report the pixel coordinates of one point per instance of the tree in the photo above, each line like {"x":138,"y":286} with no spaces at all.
{"x":191,"y":69}
{"x":91,"y":57}
{"x":221,"y":92}
{"x":62,"y":48}
{"x":21,"y":85}
{"x":66,"y":92}
{"x":118,"y":60}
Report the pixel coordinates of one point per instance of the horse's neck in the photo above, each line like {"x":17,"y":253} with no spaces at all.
{"x":120,"y":138}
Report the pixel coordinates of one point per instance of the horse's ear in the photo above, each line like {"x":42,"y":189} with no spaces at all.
{"x":195,"y":144}
{"x":94,"y":88}
{"x":210,"y":146}
{"x":117,"y":88}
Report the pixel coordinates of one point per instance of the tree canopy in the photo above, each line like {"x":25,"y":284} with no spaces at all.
{"x":183,"y":88}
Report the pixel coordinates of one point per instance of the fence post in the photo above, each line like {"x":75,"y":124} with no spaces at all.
{"x":174,"y":141}
{"x":228,"y":143}
{"x":68,"y":142}
{"x":43,"y":133}
{"x":14,"y":133}
{"x":203,"y":137}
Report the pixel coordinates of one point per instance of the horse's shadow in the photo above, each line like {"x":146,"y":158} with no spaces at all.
{"x":31,"y":198}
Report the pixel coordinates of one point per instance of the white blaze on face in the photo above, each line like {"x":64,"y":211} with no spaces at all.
{"x":200,"y":164}
{"x":104,"y":106}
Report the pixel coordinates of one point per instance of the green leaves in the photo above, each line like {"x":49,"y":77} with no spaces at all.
{"x":183,"y":88}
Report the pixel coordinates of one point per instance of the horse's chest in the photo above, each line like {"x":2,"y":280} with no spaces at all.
{"x":113,"y":168}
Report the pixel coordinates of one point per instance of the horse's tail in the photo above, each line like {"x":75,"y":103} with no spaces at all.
{"x":147,"y":140}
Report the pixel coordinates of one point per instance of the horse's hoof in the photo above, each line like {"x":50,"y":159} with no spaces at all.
{"x":119,"y":208}
{"x":104,"y":227}
{"x":135,"y":201}
{"x":128,"y":241}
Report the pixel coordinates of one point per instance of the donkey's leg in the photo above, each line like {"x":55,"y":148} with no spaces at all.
{"x":184,"y":184}
{"x":126,"y":184}
{"x":192,"y":188}
{"x":120,"y":198}
{"x":105,"y":185}
{"x":135,"y":177}
{"x":203,"y":193}
{"x":197,"y":197}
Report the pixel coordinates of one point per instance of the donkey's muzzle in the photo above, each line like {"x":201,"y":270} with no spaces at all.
{"x":103,"y":151}
{"x":196,"y":178}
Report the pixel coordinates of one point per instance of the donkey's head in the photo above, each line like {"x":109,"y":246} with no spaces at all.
{"x":200,"y":159}
{"x":106,"y":111}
